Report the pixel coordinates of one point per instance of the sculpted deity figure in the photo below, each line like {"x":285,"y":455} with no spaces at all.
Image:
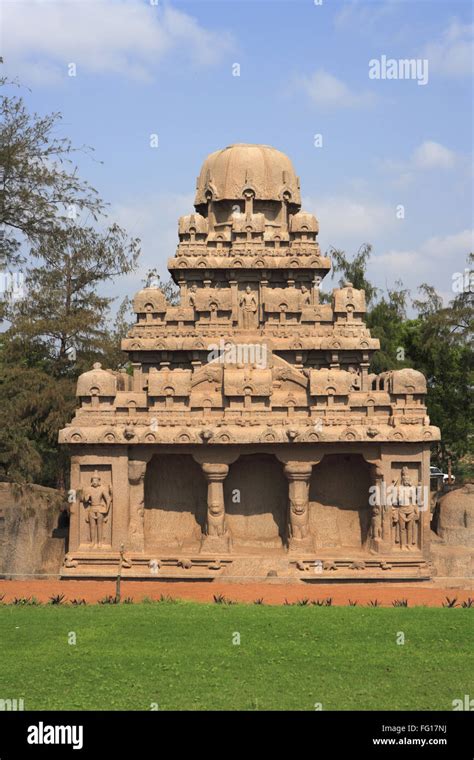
{"x":406,"y":514}
{"x":355,"y":381}
{"x":248,"y":304}
{"x":97,"y":500}
{"x":305,"y":296}
{"x":192,"y":295}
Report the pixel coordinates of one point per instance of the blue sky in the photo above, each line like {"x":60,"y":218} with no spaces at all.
{"x":167,"y":69}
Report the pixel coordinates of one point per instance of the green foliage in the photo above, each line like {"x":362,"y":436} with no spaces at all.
{"x":437,"y":341}
{"x":55,"y":333}
{"x":386,"y":321}
{"x":439,"y":345}
{"x":33,"y":406}
{"x":168,"y":288}
{"x":63,"y":313}
{"x":62,"y":322}
{"x":40,"y":185}
{"x":354,"y":270}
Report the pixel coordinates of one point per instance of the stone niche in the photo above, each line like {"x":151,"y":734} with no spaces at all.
{"x":89,"y":473}
{"x":256,"y":502}
{"x":175,"y":502}
{"x":202,"y":462}
{"x":339,"y":510}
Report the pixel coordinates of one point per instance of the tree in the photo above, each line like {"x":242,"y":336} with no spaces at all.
{"x":440,"y":346}
{"x":56,"y":332}
{"x":40,"y":188}
{"x":387,"y":322}
{"x":436,"y":341}
{"x":63,"y":314}
{"x":33,"y":406}
{"x":116,"y":330}
{"x":168,"y":288}
{"x":62,"y":322}
{"x":354,"y":270}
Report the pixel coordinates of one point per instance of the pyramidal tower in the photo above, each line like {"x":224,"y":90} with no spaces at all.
{"x":249,"y":436}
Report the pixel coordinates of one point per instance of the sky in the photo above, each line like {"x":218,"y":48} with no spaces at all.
{"x":381,"y":160}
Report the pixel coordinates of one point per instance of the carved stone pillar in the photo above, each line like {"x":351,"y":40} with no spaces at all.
{"x":136,"y":479}
{"x":298,"y":475}
{"x":216,"y":534}
{"x":380,"y":513}
{"x":74,"y":505}
{"x":233,"y":284}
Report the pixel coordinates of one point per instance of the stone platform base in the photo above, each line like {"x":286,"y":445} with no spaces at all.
{"x":284,"y":567}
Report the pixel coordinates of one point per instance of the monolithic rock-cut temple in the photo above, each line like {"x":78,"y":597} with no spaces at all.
{"x":249,"y":438}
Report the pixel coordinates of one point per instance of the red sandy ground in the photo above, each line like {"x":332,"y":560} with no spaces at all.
{"x":271,"y":593}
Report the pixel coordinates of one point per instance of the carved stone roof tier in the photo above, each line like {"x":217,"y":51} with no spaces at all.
{"x":149,"y":300}
{"x":282,"y":342}
{"x":348,"y":299}
{"x":249,"y":353}
{"x":303,"y":222}
{"x":192,"y":223}
{"x":97,"y":382}
{"x":260,"y":257}
{"x":204,"y":431}
{"x":227,"y":173}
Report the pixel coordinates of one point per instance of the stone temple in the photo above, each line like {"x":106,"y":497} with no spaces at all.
{"x":249,"y":438}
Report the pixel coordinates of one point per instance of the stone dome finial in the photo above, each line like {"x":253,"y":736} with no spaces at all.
{"x":226,"y":174}
{"x":96,"y":382}
{"x":150,"y":299}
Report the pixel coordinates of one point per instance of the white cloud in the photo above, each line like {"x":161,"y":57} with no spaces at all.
{"x":326,"y":91}
{"x":362,"y":15}
{"x":124,"y":37}
{"x":426,"y":156}
{"x":452,"y":54}
{"x":449,"y":246}
{"x":434,"y":260}
{"x":346,"y":222}
{"x":154,"y":219}
{"x":433,"y":155}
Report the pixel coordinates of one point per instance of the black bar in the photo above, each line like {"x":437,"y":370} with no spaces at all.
{"x":316,"y":734}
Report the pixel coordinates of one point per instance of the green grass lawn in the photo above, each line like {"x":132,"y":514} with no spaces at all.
{"x":181,"y":656}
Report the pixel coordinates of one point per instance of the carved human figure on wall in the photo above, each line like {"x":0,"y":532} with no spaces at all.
{"x":248,"y":304}
{"x":305,"y":296}
{"x":192,"y":295}
{"x":355,"y":380}
{"x":213,"y":307}
{"x":97,"y":500}
{"x":406,"y":514}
